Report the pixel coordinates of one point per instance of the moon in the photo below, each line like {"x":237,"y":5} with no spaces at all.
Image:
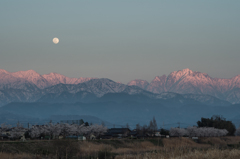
{"x":55,"y":40}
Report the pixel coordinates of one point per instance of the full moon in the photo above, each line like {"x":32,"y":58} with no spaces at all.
{"x":55,"y":40}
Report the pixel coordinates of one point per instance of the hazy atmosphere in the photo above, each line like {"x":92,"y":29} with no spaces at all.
{"x":120,"y":40}
{"x":117,"y":79}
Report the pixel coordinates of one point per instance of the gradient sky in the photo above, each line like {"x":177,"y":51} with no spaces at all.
{"x":121,"y":40}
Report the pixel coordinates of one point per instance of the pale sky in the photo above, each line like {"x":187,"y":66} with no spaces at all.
{"x":121,"y":40}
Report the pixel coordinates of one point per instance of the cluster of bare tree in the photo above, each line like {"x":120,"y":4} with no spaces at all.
{"x":16,"y":132}
{"x":198,"y":132}
{"x":150,"y":129}
{"x":4,"y":127}
{"x":54,"y":130}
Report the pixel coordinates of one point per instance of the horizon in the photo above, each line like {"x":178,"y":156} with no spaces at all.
{"x":118,"y":80}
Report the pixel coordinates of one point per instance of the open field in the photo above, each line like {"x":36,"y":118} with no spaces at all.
{"x":175,"y":148}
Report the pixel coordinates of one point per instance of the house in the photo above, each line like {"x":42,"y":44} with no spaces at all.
{"x":133,"y":134}
{"x":7,"y":132}
{"x":116,"y":133}
{"x":3,"y":137}
{"x":106,"y":136}
{"x":157,"y":133}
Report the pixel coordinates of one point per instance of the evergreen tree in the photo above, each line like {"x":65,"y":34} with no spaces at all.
{"x":218,"y":122}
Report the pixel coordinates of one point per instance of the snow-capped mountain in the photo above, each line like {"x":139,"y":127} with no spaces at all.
{"x":12,"y":81}
{"x":186,"y":81}
{"x":55,"y":78}
{"x":29,"y":86}
{"x":25,"y":79}
{"x":140,"y":83}
{"x":98,"y":87}
{"x":60,"y":91}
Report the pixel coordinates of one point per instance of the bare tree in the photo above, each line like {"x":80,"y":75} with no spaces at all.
{"x":97,"y":130}
{"x":4,"y":127}
{"x":127,"y":126}
{"x":198,"y":132}
{"x":67,"y":129}
{"x":178,"y":132}
{"x":17,"y":131}
{"x":154,"y":125}
{"x":52,"y":130}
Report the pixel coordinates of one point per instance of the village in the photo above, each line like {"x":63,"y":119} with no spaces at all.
{"x":83,"y":131}
{"x":79,"y":139}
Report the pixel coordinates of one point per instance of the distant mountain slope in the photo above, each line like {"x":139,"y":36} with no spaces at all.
{"x":131,"y":112}
{"x":98,"y":87}
{"x":18,"y":95}
{"x":54,"y":78}
{"x":17,"y":80}
{"x":28,"y":120}
{"x":71,"y":93}
{"x":66,"y":97}
{"x":10,"y":81}
{"x":140,"y":83}
{"x":188,"y":82}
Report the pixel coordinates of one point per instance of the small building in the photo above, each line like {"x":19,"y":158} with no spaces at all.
{"x":92,"y":137}
{"x":119,"y":132}
{"x":81,"y":138}
{"x":4,"y":137}
{"x":133,"y":134}
{"x":157,"y":133}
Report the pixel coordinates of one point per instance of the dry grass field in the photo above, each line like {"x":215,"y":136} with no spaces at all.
{"x":173,"y":148}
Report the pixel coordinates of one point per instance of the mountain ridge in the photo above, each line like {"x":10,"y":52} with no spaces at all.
{"x":41,"y":81}
{"x":183,"y":81}
{"x":187,"y":81}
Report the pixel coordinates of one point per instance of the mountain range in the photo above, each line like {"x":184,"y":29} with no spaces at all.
{"x":188,"y":82}
{"x":30,"y":86}
{"x":183,"y":95}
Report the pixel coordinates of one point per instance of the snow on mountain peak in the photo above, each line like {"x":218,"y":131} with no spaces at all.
{"x":3,"y":71}
{"x":41,"y":81}
{"x":55,"y":78}
{"x":159,"y":78}
{"x":181,"y":73}
{"x":26,"y":74}
{"x":137,"y":81}
{"x":182,"y":81}
{"x":187,"y":70}
{"x":140,"y":83}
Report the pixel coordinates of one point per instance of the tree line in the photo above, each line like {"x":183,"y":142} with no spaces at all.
{"x":214,"y":126}
{"x":54,"y":130}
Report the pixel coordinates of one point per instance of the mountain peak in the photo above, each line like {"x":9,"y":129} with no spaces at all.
{"x":3,"y":71}
{"x":159,"y":78}
{"x":178,"y":75}
{"x":134,"y":82}
{"x":26,"y":74}
{"x":140,"y":83}
{"x":54,"y":73}
{"x":187,"y":70}
{"x":30,"y":72}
